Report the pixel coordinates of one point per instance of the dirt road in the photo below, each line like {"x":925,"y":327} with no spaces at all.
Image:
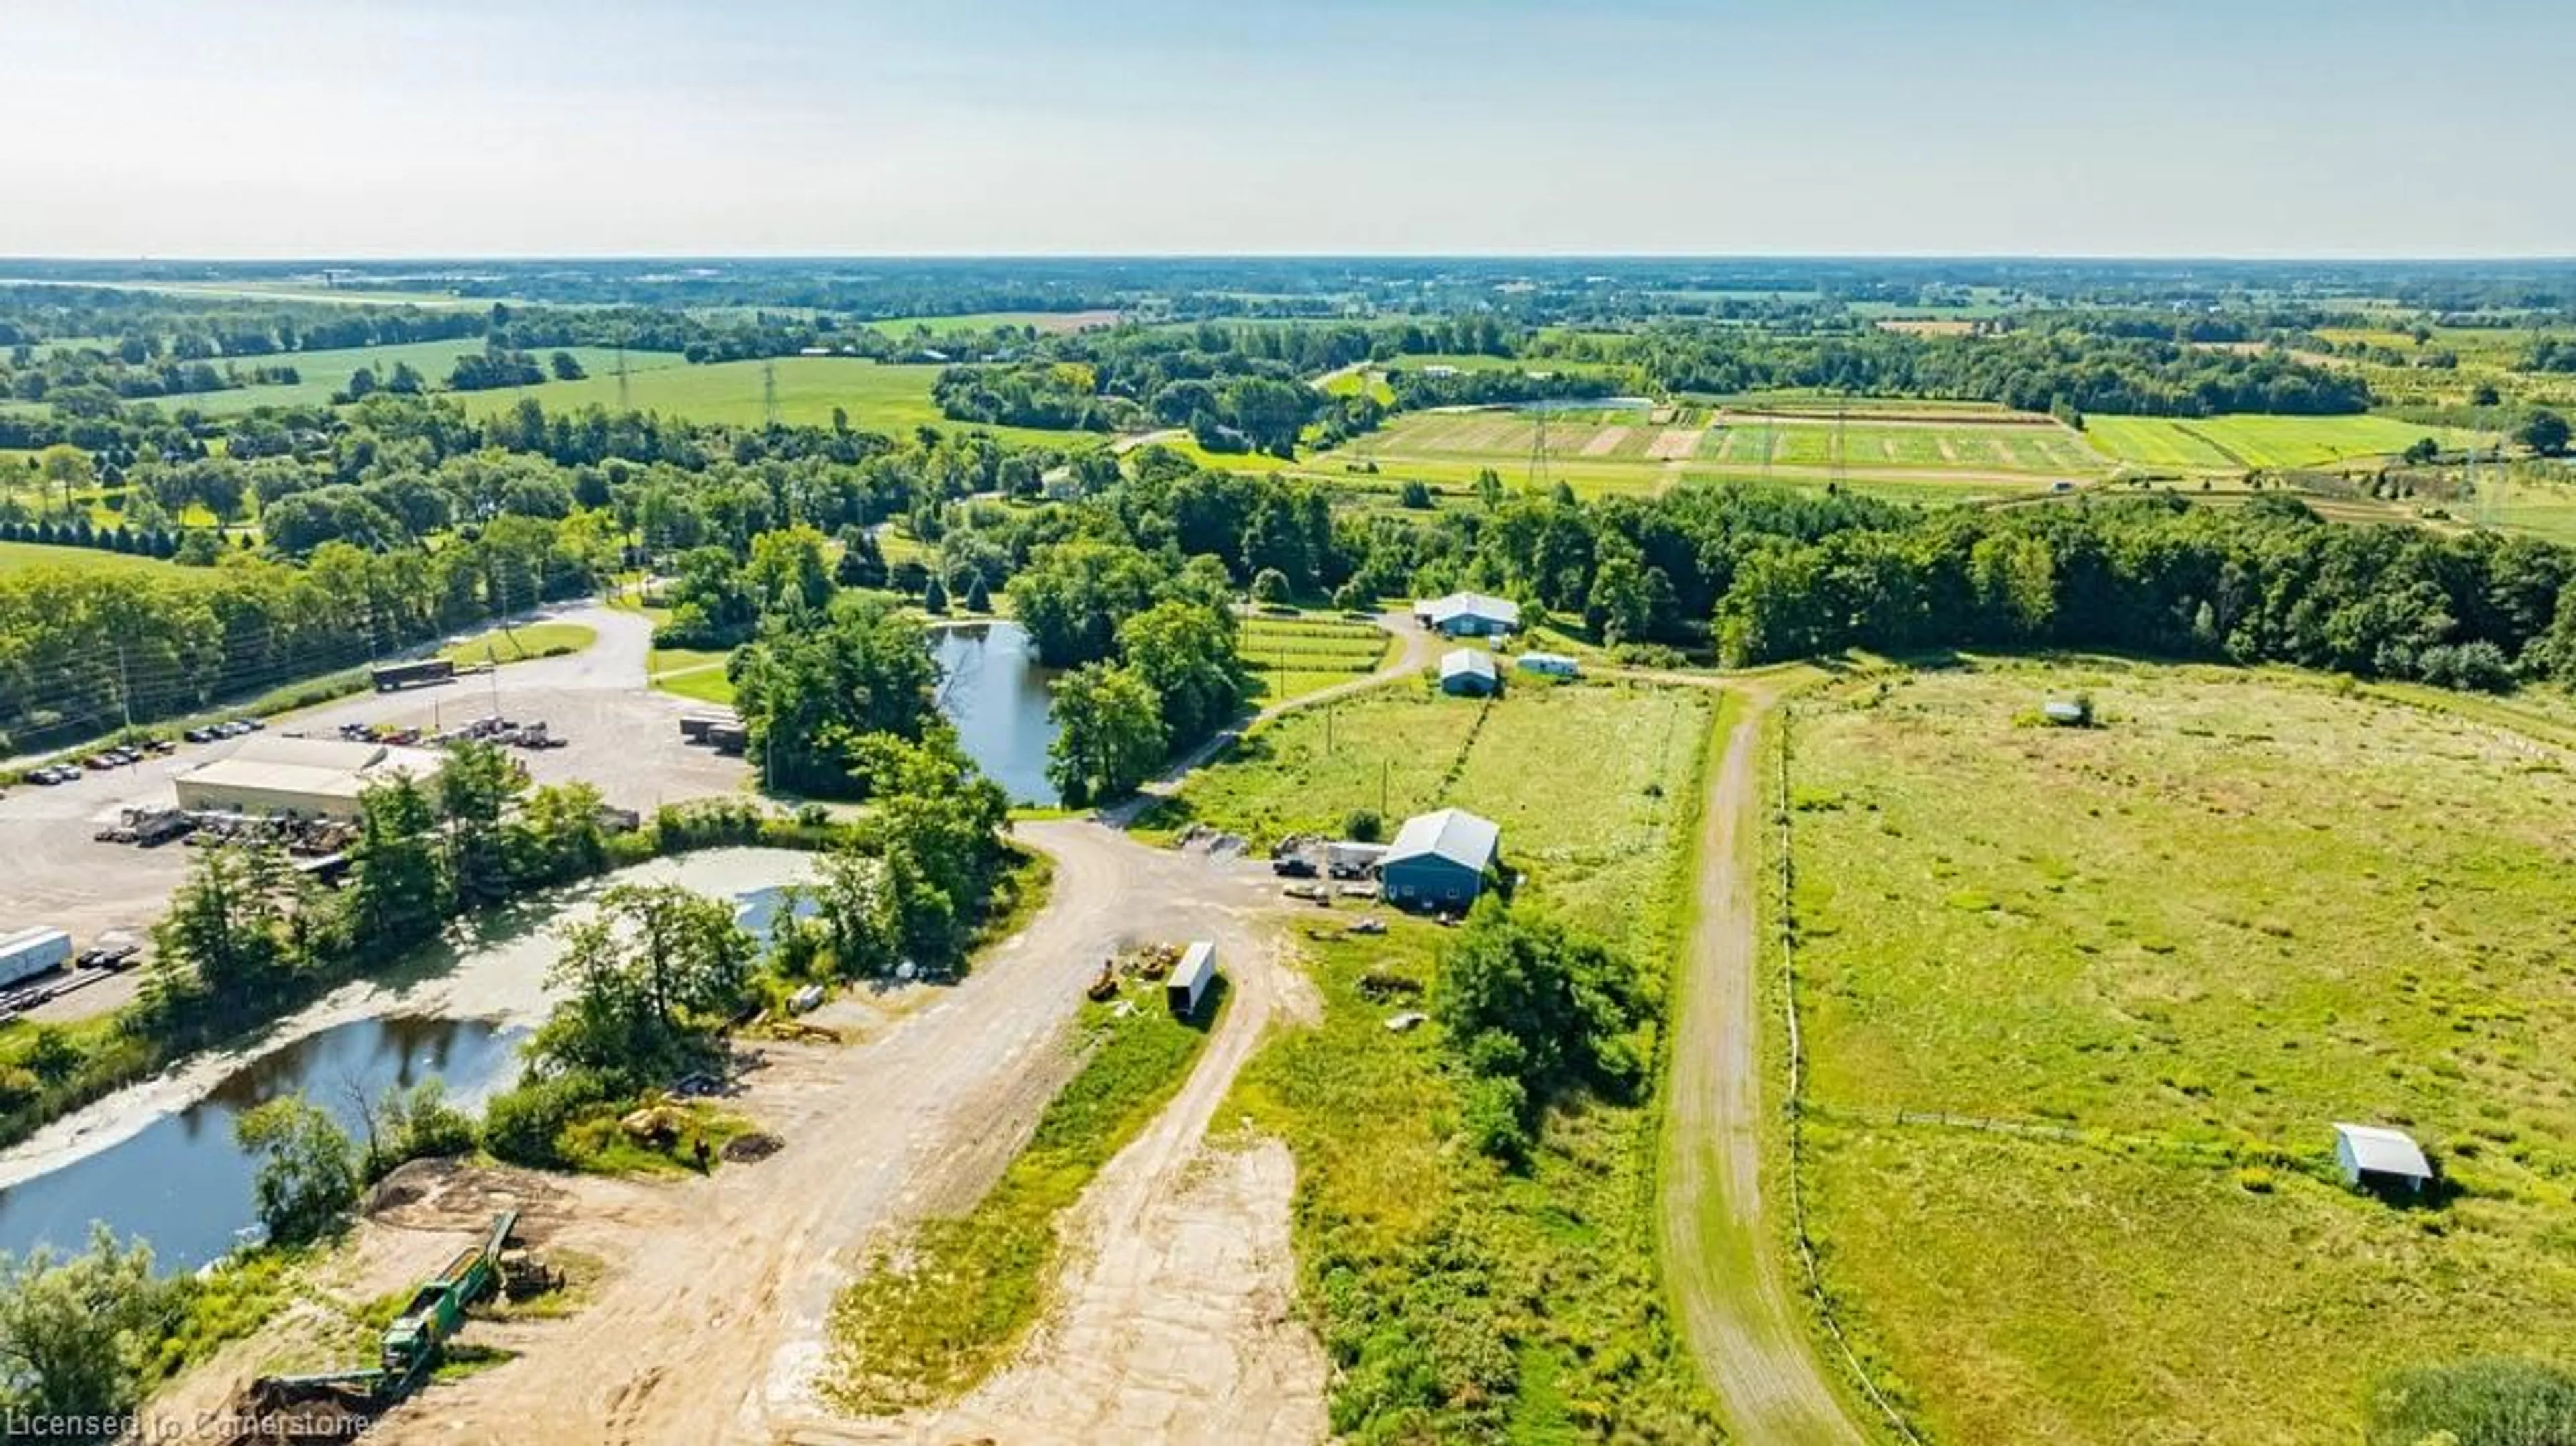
{"x":1172,"y":1320}
{"x":1739,"y":1311}
{"x":708,"y":1323}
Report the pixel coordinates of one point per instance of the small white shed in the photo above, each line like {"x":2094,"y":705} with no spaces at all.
{"x":2376,"y":1157}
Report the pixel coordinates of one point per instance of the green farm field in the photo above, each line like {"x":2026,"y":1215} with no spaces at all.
{"x":1291,"y":657}
{"x":1952,"y":459}
{"x":2137,"y":972}
{"x":2241,"y":442}
{"x":879,"y":396}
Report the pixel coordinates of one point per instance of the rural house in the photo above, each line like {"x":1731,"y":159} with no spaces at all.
{"x":1439,"y":860}
{"x":1469,"y":673}
{"x":2375,"y":1158}
{"x":1468,"y":615}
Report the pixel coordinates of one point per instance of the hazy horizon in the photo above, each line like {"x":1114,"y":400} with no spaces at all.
{"x":405,"y":130}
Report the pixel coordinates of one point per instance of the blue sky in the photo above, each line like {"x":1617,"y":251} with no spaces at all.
{"x":559,"y":127}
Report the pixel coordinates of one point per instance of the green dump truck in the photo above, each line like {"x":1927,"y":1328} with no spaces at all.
{"x":295,"y":1406}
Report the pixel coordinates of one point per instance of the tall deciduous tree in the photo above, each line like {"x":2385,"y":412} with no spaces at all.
{"x":1109,"y":733}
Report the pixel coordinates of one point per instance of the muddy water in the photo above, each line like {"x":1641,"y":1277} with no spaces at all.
{"x":158,"y":1161}
{"x":995,"y":693}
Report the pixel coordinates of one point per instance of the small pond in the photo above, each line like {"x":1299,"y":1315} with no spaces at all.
{"x":994,"y":691}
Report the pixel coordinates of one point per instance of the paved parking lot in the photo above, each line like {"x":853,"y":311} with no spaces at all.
{"x":620,"y":737}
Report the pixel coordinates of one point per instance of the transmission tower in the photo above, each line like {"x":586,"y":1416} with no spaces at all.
{"x":1538,"y":470}
{"x":1841,"y":444}
{"x":621,"y":376}
{"x":769,"y":393}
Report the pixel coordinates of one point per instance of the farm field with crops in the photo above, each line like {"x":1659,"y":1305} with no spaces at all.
{"x":2244,"y":442}
{"x":2081,"y":1006}
{"x":1290,"y":657}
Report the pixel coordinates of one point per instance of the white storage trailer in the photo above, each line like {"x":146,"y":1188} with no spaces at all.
{"x":1190,"y":980}
{"x":31,"y":952}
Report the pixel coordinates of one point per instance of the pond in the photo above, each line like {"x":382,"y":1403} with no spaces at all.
{"x":185,"y":1186}
{"x":158,"y":1161}
{"x":994,"y":691}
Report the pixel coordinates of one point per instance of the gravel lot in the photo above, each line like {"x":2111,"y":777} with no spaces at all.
{"x":620,"y":737}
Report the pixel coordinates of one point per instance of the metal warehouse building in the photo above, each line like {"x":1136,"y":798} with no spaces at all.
{"x":1468,"y":615}
{"x":1439,"y":860}
{"x":300,"y":777}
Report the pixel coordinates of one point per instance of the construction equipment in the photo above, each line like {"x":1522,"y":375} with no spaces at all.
{"x":330,"y":1404}
{"x":1105,"y":988}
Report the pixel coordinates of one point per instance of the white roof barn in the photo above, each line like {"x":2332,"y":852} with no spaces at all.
{"x":1471,"y":612}
{"x":2372,"y":1152}
{"x":1448,"y":833}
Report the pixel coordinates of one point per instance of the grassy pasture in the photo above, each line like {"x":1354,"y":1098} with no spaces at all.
{"x":879,"y":396}
{"x":1291,"y":657}
{"x":1586,"y":780}
{"x":31,"y":556}
{"x":2164,"y":955}
{"x":323,"y":373}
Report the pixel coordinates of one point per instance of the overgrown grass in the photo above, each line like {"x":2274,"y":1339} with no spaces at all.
{"x":1458,"y":1299}
{"x":2165,"y":955}
{"x":938,"y":1311}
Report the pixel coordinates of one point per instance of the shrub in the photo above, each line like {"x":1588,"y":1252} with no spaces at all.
{"x":525,"y":1126}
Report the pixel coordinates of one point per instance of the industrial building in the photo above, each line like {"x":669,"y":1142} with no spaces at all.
{"x":2376,"y":1158}
{"x":1439,"y":860}
{"x":300,"y":777}
{"x":1468,"y":615}
{"x":1469,"y":673}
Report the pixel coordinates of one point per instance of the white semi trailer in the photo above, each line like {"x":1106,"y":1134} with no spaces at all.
{"x":1188,"y":986}
{"x":31,"y":952}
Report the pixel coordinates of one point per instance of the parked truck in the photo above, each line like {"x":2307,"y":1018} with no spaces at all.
{"x":695,"y":726}
{"x":390,"y":676}
{"x":30,"y":952}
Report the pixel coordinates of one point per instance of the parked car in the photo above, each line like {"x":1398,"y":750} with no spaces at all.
{"x":200,"y":734}
{"x":1293,"y":866}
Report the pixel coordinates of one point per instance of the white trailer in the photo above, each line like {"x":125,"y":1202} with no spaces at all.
{"x":1188,"y":985}
{"x":31,"y":952}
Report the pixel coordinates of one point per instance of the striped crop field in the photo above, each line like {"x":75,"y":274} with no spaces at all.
{"x":1291,"y":657}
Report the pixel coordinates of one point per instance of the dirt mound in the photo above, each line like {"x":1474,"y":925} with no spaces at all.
{"x":281,"y":1409}
{"x":456,"y":1195}
{"x":751,"y":1149}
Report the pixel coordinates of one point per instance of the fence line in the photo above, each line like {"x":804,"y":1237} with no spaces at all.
{"x":1794,"y":1106}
